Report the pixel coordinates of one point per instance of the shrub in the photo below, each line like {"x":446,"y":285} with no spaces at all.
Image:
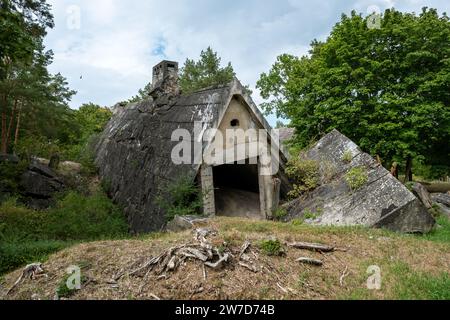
{"x":280,"y":213}
{"x":27,"y":235}
{"x":356,"y":178}
{"x":348,"y":156}
{"x":182,"y":197}
{"x":271,"y":247}
{"x":305,"y":175}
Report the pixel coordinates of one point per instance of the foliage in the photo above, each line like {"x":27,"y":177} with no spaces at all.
{"x":206,"y":72}
{"x":309,"y":215}
{"x":181,"y":198}
{"x":64,"y":291}
{"x":26,"y":235}
{"x":356,"y":178}
{"x":348,"y":156}
{"x":271,"y":247}
{"x":386,"y":89}
{"x":410,"y":284}
{"x":10,"y":174}
{"x":305,"y":175}
{"x":280,"y":213}
{"x":441,"y":233}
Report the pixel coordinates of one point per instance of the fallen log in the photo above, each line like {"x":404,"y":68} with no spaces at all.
{"x":311,"y":246}
{"x":310,"y":261}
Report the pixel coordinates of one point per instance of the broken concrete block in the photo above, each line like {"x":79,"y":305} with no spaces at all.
{"x":382,"y":202}
{"x":182,"y":223}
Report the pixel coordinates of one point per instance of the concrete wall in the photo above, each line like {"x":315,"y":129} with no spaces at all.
{"x":238,"y":117}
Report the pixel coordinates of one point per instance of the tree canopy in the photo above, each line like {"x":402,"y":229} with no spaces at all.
{"x":387,"y":88}
{"x":205,"y":72}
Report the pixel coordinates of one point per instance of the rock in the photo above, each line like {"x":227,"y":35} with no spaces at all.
{"x":383,"y":202}
{"x":182,"y":223}
{"x":442,"y":198}
{"x":9,"y":158}
{"x":69,"y":166}
{"x":443,"y":209}
{"x":423,"y":195}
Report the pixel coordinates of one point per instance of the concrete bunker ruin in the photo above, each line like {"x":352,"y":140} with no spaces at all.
{"x":136,"y":149}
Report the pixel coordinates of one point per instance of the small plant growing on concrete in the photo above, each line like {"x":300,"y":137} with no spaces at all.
{"x":271,"y":247}
{"x":348,"y":156}
{"x":356,"y":178}
{"x":305,"y":174}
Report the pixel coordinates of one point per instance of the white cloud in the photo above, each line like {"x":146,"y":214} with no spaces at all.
{"x":119,"y":41}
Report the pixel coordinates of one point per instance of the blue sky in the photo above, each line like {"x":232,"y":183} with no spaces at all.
{"x":113,"y":44}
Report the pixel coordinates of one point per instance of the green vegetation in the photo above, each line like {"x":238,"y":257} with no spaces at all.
{"x":280,"y":213}
{"x":181,"y":198}
{"x":412,"y":285}
{"x":309,"y":215}
{"x":272,"y":247}
{"x":442,"y":231}
{"x":304,"y":173}
{"x":28,"y":236}
{"x":205,"y":73}
{"x":385,"y":88}
{"x":356,"y":178}
{"x":348,"y":156}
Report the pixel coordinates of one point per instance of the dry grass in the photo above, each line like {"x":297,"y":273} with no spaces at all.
{"x":281,"y":278}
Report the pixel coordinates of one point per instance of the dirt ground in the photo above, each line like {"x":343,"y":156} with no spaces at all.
{"x":342,"y":276}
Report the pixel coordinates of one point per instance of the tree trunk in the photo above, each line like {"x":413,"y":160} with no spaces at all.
{"x":408,"y":172}
{"x":16,"y":136}
{"x":11,"y":121}
{"x":394,"y":170}
{"x":3,"y":147}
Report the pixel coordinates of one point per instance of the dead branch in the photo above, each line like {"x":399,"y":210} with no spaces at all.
{"x":311,"y":246}
{"x":244,"y":248}
{"x":218,"y":264}
{"x":252,"y":268}
{"x":344,"y":274}
{"x":310,"y":261}
{"x":29,"y":272}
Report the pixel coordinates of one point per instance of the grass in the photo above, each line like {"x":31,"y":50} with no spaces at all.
{"x":442,"y":231}
{"x":412,"y":267}
{"x":29,"y":236}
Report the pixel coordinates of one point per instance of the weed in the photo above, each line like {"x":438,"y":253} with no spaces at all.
{"x":348,"y":156}
{"x":271,"y":247}
{"x":356,"y":178}
{"x":304,"y":173}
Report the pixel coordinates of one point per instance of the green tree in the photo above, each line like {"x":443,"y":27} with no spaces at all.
{"x":206,"y":72}
{"x":387,"y":88}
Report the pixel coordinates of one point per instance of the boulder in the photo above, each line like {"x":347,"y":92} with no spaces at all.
{"x":442,"y":201}
{"x":39,"y":184}
{"x":422,"y":194}
{"x":382,"y":202}
{"x":182,"y":223}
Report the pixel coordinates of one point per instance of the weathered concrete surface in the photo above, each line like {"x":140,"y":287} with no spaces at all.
{"x":442,"y":200}
{"x":382,"y":202}
{"x":179,"y":224}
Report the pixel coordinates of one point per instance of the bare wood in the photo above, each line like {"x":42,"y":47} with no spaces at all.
{"x":312,"y":246}
{"x":244,"y":248}
{"x":310,"y":261}
{"x":252,"y":268}
{"x":219,"y":263}
{"x":344,"y":274}
{"x":155,"y":296}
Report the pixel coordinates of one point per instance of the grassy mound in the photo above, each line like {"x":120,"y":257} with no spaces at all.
{"x":412,"y":267}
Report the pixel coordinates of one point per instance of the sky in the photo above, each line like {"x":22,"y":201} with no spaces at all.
{"x":107,"y":48}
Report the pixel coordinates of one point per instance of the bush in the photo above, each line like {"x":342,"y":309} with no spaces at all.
{"x":280,"y":213}
{"x":356,"y":178}
{"x":305,"y":175}
{"x":181,"y":198}
{"x":271,"y":247}
{"x":27,"y":235}
{"x":10,"y":174}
